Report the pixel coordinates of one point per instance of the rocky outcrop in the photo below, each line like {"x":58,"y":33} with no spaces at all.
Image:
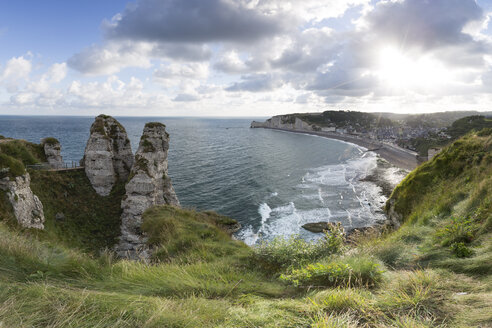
{"x":28,"y":209}
{"x":288,"y":122}
{"x":108,"y":155}
{"x":394,"y":217}
{"x":52,"y":151}
{"x":147,"y":186}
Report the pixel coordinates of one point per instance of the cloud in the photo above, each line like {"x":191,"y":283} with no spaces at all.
{"x":179,"y":70}
{"x":256,"y":83}
{"x":196,"y":21}
{"x":429,"y":26}
{"x":230,"y":62}
{"x":186,"y":97}
{"x":111,"y":58}
{"x":16,"y":71}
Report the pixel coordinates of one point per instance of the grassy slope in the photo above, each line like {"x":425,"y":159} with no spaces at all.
{"x":201,"y":278}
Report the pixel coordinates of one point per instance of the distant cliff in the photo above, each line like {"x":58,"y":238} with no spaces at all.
{"x":286,"y":122}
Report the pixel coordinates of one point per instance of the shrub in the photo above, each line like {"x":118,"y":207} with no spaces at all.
{"x":461,"y":250}
{"x":351,"y":272}
{"x":281,"y":253}
{"x":459,"y":230}
{"x":50,"y":141}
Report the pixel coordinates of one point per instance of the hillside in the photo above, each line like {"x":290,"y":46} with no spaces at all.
{"x":434,"y":271}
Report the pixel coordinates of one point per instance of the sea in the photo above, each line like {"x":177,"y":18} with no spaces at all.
{"x":271,"y":181}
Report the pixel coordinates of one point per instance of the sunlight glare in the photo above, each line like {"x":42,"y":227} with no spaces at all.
{"x":399,"y":70}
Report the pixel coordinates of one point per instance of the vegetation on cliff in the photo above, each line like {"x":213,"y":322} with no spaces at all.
{"x":434,"y":271}
{"x":456,"y":130}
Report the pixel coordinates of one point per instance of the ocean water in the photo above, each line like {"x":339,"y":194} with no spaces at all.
{"x":272,"y":182}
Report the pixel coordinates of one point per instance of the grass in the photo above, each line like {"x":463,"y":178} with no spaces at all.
{"x":200,"y":277}
{"x":26,"y":152}
{"x":89,"y":222}
{"x":10,"y":167}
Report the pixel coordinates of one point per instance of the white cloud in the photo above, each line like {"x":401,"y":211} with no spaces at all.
{"x":182,"y":70}
{"x":112,"y":57}
{"x":16,"y":71}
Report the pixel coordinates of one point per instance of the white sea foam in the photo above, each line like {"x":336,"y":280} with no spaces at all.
{"x":248,"y":235}
{"x":329,"y":193}
{"x":264,"y":210}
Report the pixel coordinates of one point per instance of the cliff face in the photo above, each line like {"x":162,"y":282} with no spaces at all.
{"x":52,"y":150}
{"x":28,"y":209}
{"x":108,"y":155}
{"x":148,"y":185}
{"x":285,"y":122}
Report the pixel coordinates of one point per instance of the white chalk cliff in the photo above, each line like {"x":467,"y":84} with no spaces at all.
{"x":108,"y":155}
{"x":52,"y":151}
{"x":148,"y":185}
{"x":28,"y":209}
{"x":288,"y":122}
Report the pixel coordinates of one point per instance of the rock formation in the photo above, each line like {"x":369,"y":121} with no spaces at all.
{"x":148,"y":185}
{"x":52,"y":150}
{"x":394,"y":217}
{"x":108,"y":155}
{"x":28,"y":209}
{"x":285,"y":122}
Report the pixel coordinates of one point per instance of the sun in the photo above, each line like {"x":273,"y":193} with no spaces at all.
{"x":396,"y":69}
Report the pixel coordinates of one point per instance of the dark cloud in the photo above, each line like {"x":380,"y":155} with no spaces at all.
{"x":193,"y":21}
{"x":425,"y":23}
{"x":183,"y":52}
{"x":256,"y":83}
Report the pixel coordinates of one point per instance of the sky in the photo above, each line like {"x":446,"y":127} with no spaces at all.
{"x":243,"y":57}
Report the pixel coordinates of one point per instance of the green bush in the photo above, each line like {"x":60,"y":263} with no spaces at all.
{"x":10,"y":167}
{"x":350,"y":272}
{"x":50,"y":141}
{"x":281,"y":253}
{"x":461,"y":250}
{"x":459,"y":230}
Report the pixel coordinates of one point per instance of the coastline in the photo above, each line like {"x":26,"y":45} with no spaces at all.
{"x":399,"y":157}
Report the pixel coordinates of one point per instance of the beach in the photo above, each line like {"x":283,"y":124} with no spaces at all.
{"x":399,"y":157}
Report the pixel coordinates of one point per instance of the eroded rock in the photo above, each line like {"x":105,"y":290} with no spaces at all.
{"x":148,"y":185}
{"x":108,"y":155}
{"x":28,"y":209}
{"x":52,"y":151}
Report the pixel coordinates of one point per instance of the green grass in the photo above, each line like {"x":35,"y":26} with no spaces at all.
{"x":415,"y":276}
{"x":50,"y":141}
{"x":28,"y":153}
{"x":10,"y":167}
{"x":90,"y":222}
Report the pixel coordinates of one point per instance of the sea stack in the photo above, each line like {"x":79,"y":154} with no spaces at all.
{"x":148,"y":185}
{"x":28,"y":209}
{"x":52,"y":151}
{"x":108,"y":156}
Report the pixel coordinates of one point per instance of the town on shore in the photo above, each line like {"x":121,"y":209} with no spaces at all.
{"x":405,"y":140}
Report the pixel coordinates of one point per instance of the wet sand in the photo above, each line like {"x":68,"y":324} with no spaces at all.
{"x":399,"y":157}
